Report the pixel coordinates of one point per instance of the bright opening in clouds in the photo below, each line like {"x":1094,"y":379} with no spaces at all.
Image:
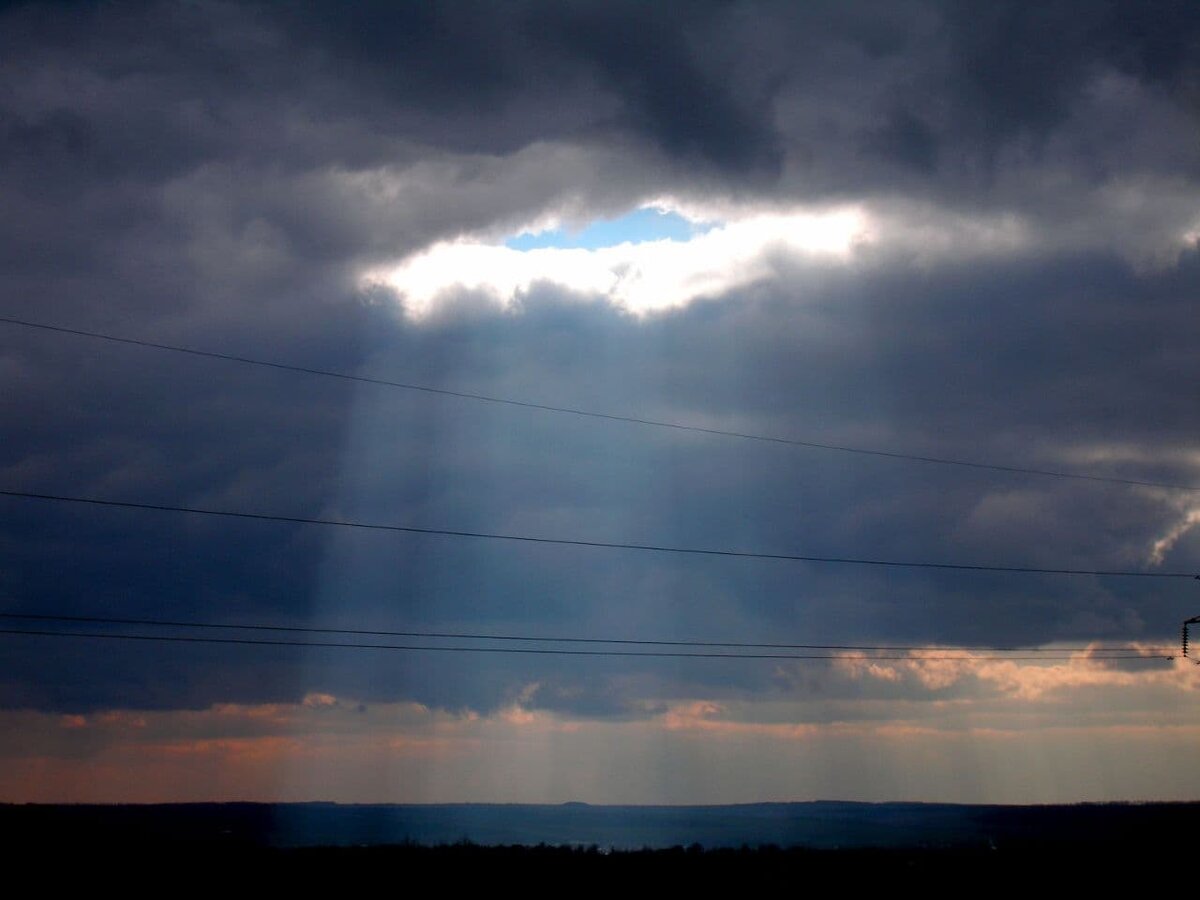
{"x":640,"y":226}
{"x":648,"y":260}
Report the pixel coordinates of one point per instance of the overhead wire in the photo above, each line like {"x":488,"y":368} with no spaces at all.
{"x":536,"y":651}
{"x":593,"y":414}
{"x":594,"y":544}
{"x":524,"y":638}
{"x":560,"y":541}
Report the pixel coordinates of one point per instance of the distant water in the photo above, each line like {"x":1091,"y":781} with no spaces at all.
{"x":819,"y":825}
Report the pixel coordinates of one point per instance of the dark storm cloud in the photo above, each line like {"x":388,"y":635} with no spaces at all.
{"x":541,"y":71}
{"x":257,"y":109}
{"x":1024,"y":65}
{"x":218,"y":176}
{"x":479,"y":468}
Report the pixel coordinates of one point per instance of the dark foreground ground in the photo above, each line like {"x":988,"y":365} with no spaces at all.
{"x":541,"y":870}
{"x":932,"y":847}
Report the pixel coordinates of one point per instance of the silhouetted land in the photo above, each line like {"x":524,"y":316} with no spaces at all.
{"x":873,"y":844}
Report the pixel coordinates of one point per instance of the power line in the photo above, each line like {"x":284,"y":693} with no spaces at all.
{"x":511,"y":650}
{"x":567,"y":542}
{"x":592,"y":414}
{"x":458,"y":635}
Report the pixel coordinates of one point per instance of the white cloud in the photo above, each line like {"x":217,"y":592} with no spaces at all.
{"x":1022,"y":680}
{"x":641,"y":277}
{"x":1162,"y":546}
{"x":749,"y":240}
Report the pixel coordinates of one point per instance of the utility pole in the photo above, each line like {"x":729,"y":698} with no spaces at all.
{"x":1183,"y":637}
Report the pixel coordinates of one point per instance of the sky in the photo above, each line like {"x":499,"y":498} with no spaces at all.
{"x":925,"y":229}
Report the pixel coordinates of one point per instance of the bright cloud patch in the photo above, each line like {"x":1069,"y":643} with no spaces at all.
{"x":663,"y":260}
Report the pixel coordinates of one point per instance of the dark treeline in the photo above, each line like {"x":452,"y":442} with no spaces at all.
{"x":816,"y":826}
{"x":1003,"y":845}
{"x":545,"y":868}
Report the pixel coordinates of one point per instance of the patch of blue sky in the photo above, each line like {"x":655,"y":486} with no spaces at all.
{"x":637,"y":227}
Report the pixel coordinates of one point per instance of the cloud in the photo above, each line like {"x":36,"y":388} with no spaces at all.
{"x":799,"y":747}
{"x":851,"y":357}
{"x":1162,"y":546}
{"x":1023,"y":680}
{"x":743,"y":244}
{"x":923,"y":245}
{"x":640,"y":277}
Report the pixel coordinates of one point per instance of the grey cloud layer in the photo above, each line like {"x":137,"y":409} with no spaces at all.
{"x":219,"y":175}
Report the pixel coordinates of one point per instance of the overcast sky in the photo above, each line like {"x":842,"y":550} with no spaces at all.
{"x":945,"y":230}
